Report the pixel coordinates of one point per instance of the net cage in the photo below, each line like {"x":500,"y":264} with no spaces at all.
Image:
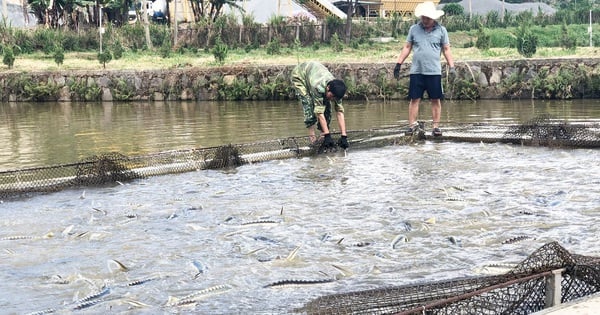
{"x":527,"y":288}
{"x":111,"y":168}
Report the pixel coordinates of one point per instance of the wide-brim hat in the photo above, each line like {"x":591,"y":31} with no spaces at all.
{"x":428,"y":9}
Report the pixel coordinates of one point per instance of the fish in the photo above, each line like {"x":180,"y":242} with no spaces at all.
{"x":86,"y":304}
{"x":42,"y":312}
{"x":120,"y":265}
{"x":91,"y":299}
{"x":515,"y":239}
{"x":100,"y":210}
{"x":200,"y":268}
{"x":292,"y":254}
{"x":344,"y":271}
{"x":398,"y":239}
{"x":140,"y":281}
{"x":26,"y":237}
{"x":196,"y":296}
{"x":298,"y":282}
{"x":265,"y":221}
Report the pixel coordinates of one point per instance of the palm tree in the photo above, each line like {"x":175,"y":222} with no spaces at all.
{"x":217,"y":5}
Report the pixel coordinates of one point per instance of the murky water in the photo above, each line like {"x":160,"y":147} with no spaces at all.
{"x":220,"y":238}
{"x":44,"y":134}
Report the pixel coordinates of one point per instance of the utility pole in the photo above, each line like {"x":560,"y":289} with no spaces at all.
{"x":590,"y":30}
{"x":175,"y":23}
{"x":470,"y":11}
{"x":502,"y":19}
{"x":146,"y":24}
{"x":101,"y":29}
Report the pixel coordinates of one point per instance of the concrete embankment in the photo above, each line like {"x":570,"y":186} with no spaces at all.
{"x":523,"y":78}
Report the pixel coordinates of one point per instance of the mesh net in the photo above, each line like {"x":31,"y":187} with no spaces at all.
{"x":111,"y":168}
{"x":523,"y":290}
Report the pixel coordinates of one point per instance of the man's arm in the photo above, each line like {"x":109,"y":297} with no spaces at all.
{"x":323,"y":122}
{"x":406,"y":49}
{"x":341,"y":122}
{"x":448,"y":55}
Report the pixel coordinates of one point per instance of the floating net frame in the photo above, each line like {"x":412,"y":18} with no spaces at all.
{"x":111,"y":168}
{"x":549,"y":276}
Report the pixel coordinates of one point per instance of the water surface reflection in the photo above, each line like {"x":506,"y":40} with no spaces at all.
{"x":45,"y":134}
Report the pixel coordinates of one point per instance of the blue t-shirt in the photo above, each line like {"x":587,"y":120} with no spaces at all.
{"x":427,"y":48}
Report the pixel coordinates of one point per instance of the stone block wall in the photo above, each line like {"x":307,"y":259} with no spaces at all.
{"x":369,"y":81}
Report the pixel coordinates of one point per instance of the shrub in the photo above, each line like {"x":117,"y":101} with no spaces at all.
{"x":336,"y":43}
{"x":104,"y":57}
{"x":274,"y":47}
{"x":483,"y":40}
{"x":58,"y":55}
{"x":8,"y":56}
{"x":526,"y":40}
{"x":220,"y":51}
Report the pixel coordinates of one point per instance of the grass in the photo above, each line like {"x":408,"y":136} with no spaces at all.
{"x":366,"y":53}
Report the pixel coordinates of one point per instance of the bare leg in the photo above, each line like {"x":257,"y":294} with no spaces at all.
{"x":436,"y":112}
{"x":413,"y":111}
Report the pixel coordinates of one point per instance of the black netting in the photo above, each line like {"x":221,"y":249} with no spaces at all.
{"x":110,"y":168}
{"x":523,"y":290}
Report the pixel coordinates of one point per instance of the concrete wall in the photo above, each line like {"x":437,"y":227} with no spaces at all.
{"x":371,"y":81}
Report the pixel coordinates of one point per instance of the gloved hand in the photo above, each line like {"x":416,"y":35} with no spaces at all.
{"x":327,"y":141}
{"x":452,"y":74}
{"x":397,"y":70}
{"x":343,"y":142}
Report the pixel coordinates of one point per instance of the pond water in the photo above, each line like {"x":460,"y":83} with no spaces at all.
{"x":52,"y":133}
{"x":219,"y":238}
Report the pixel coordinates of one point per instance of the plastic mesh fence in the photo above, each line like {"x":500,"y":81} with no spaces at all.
{"x":523,"y":290}
{"x":110,"y":168}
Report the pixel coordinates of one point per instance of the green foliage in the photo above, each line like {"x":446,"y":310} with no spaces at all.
{"x":567,"y":83}
{"x":84,"y":91}
{"x":122,"y":91}
{"x":501,"y":38}
{"x":336,"y":43}
{"x":396,"y":22}
{"x":117,"y":49}
{"x":238,"y":90}
{"x":43,"y":37}
{"x":274,"y":47}
{"x":566,"y":41}
{"x":8,"y":56}
{"x":273,"y":90}
{"x":333,"y":23}
{"x":463,"y":89}
{"x":35,"y":91}
{"x":453,"y":9}
{"x":58,"y":55}
{"x":104,"y":57}
{"x":165,"y":48}
{"x":483,"y":40}
{"x":220,"y":51}
{"x":526,"y":40}
{"x":513,"y":85}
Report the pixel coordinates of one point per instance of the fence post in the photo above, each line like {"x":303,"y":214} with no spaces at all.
{"x":553,"y":288}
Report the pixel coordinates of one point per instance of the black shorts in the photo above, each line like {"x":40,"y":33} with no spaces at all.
{"x":419,"y":83}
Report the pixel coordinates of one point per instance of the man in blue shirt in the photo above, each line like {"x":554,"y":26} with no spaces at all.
{"x":429,"y":40}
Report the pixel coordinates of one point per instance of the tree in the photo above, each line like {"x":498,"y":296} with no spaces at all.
{"x":217,"y":5}
{"x":104,"y":57}
{"x":349,"y":13}
{"x":59,"y":55}
{"x":8,"y":56}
